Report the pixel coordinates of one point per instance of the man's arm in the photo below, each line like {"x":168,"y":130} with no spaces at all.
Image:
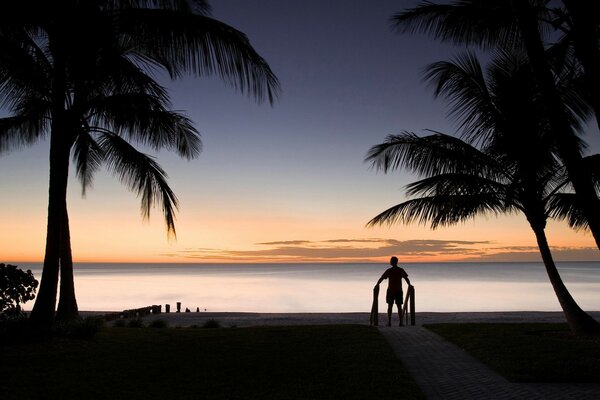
{"x":406,"y":278}
{"x":384,"y":276}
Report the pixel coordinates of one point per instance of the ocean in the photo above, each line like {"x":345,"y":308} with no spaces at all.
{"x":439,"y":287}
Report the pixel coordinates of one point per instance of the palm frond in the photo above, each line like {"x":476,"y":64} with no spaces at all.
{"x":142,"y":174}
{"x":564,"y":206}
{"x":189,"y":43}
{"x":484,"y":23}
{"x":144,"y":119}
{"x":456,"y":184}
{"x":88,"y":158}
{"x":441,"y":210}
{"x":20,"y":131}
{"x":116,"y":74}
{"x":430,"y":155}
{"x":22,"y":74}
{"x":463,"y":84}
{"x":197,"y":6}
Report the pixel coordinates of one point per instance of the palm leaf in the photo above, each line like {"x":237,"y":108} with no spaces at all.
{"x":143,"y":119}
{"x":20,"y":131}
{"x":463,"y":84}
{"x":430,"y":155}
{"x":564,"y":206}
{"x":440,"y":210}
{"x":88,"y":158}
{"x":484,"y":23}
{"x":456,"y":184}
{"x":190,"y":43}
{"x":141,"y":174}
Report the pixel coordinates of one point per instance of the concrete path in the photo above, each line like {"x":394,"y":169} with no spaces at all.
{"x":444,"y":371}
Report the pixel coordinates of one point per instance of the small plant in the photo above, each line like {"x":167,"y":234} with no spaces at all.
{"x":85,"y":328}
{"x":158,"y":323}
{"x":211,"y":323}
{"x":135,"y":323}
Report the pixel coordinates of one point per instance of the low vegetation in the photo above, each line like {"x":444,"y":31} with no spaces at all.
{"x":311,"y":362}
{"x":528,"y":352}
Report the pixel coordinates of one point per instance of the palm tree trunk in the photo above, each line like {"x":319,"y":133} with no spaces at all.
{"x":67,"y":304}
{"x":43,"y":310}
{"x":585,"y":35}
{"x":562,"y":132}
{"x":580,"y":322}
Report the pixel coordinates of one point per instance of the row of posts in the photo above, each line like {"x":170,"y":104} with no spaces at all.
{"x":168,"y":308}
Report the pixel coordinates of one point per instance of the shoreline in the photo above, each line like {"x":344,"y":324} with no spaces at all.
{"x":246,"y":319}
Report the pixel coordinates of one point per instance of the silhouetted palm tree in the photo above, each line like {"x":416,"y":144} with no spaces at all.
{"x":79,"y":72}
{"x":582,"y":26}
{"x":514,"y":171}
{"x":516,"y":24}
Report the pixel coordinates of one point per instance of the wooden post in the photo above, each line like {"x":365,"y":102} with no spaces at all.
{"x":405,"y":309}
{"x":411,"y":291}
{"x":167,"y":308}
{"x":375,"y":307}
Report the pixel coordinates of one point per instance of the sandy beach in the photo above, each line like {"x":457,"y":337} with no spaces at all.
{"x":243,"y":319}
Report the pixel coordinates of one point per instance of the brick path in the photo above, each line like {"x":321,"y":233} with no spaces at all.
{"x":444,"y":371}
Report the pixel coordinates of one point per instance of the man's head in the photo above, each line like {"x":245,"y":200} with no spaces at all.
{"x":394,"y":261}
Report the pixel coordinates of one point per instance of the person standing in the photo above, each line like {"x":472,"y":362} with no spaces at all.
{"x":394,"y":294}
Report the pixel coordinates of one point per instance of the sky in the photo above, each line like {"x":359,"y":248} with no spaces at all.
{"x":282,"y":183}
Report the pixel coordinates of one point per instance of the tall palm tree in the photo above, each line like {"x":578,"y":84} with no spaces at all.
{"x":582,"y":20}
{"x":461,"y":181}
{"x":79,"y":71}
{"x":514,"y":23}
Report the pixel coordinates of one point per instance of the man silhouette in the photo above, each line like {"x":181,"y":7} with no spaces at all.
{"x":395,"y":274}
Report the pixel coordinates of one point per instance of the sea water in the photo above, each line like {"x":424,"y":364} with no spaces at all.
{"x":442,"y":287}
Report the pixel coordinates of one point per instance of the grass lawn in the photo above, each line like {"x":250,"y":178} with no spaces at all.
{"x":312,"y":362}
{"x":528,"y":352}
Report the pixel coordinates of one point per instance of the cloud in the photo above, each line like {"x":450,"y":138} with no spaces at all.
{"x":380,"y":249}
{"x":342,"y":250}
{"x":284,"y":243}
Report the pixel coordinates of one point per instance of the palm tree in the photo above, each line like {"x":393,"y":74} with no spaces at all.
{"x":516,"y":24}
{"x":461,"y":181}
{"x":79,"y":72}
{"x":583,"y":27}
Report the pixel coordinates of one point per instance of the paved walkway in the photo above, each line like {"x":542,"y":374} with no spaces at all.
{"x":444,"y":371}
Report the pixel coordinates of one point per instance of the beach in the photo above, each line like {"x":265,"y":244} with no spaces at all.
{"x":243,"y":319}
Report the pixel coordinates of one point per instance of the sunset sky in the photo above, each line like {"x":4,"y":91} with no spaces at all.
{"x":288,"y":182}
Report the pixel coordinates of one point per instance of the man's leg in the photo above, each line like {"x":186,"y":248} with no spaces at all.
{"x":390,"y":309}
{"x":400,"y":314}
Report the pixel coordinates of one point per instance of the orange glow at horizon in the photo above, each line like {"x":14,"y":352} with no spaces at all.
{"x":248,"y":237}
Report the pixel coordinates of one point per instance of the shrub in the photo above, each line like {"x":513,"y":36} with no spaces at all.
{"x":135,"y":323}
{"x":16,"y":287}
{"x":212,"y":323}
{"x":158,"y":323}
{"x":85,"y":328}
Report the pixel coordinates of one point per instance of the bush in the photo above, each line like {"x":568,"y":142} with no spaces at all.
{"x":158,"y":323}
{"x":85,"y":328}
{"x":212,"y":323}
{"x":135,"y":323}
{"x":16,"y":288}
